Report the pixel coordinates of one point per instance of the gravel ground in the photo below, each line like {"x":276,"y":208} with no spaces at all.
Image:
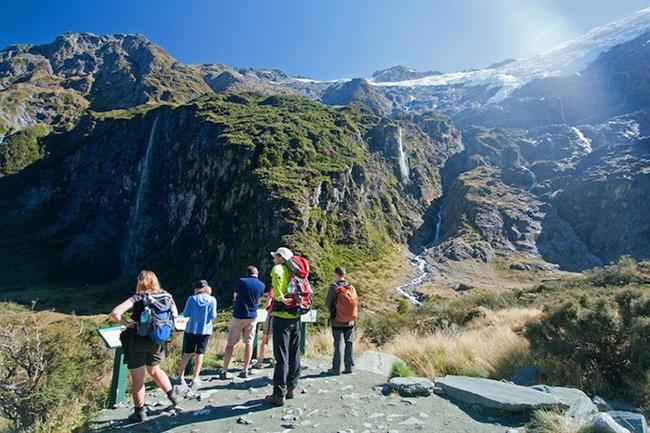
{"x":348,"y":403}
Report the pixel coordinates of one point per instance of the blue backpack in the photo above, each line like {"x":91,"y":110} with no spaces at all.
{"x":156,"y":321}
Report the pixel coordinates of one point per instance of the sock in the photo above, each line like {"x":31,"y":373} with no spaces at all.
{"x":172,"y":397}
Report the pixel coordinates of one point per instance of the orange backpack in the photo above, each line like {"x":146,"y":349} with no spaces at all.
{"x":346,"y":303}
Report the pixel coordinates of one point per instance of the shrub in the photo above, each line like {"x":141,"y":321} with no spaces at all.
{"x":598,"y":345}
{"x":621,"y":273}
{"x":52,"y":370}
{"x":401,"y":369}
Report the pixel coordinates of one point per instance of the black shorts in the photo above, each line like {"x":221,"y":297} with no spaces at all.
{"x":195,"y":343}
{"x":140,"y":351}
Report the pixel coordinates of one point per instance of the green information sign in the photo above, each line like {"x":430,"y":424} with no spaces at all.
{"x":111,"y":337}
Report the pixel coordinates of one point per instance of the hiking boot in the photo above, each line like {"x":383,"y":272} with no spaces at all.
{"x":224,"y":375}
{"x":332,"y":372}
{"x":274,"y":399}
{"x":137,"y":417}
{"x":290,"y":393}
{"x":180,"y":380}
{"x":258,"y":365}
{"x":243,"y":374}
{"x":347,"y":371}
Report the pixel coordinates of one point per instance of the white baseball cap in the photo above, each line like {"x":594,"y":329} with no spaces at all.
{"x":284,"y":252}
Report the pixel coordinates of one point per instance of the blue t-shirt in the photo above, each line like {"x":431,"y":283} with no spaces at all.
{"x":249,"y":290}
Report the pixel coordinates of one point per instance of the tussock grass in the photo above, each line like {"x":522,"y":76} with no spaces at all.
{"x":489,"y":347}
{"x":554,"y":422}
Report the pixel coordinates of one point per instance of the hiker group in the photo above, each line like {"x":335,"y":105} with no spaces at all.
{"x":153,"y":313}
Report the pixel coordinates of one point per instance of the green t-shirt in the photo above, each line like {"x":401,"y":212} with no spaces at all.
{"x":280,"y":284}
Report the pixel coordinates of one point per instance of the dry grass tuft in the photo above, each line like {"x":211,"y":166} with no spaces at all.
{"x":490,"y":347}
{"x":554,"y":422}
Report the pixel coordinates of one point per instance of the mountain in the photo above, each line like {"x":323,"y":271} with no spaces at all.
{"x":115,"y":156}
{"x":399,"y":73}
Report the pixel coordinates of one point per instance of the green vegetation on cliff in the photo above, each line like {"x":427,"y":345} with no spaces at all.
{"x":22,"y":148}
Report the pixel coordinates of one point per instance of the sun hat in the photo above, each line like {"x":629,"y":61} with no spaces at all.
{"x":284,"y":252}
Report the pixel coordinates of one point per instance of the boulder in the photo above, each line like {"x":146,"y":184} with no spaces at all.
{"x":412,"y":386}
{"x":604,"y":423}
{"x":634,"y":422}
{"x":601,"y":404}
{"x":376,"y":362}
{"x":526,"y":376}
{"x":497,"y":395}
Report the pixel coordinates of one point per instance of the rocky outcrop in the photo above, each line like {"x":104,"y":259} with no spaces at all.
{"x":356,"y":90}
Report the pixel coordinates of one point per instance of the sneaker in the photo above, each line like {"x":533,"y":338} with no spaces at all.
{"x":258,"y":365}
{"x":244,"y":374}
{"x":172,"y":395}
{"x":137,"y":417}
{"x":274,"y":399}
{"x":195,"y":383}
{"x":332,"y":372}
{"x":224,"y":375}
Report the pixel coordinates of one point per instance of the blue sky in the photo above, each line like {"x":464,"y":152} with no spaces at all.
{"x":323,"y":39}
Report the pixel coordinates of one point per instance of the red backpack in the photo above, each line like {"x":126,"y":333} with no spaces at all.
{"x":299,"y":290}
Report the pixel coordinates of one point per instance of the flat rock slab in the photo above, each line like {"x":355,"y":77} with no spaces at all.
{"x":497,"y":395}
{"x":376,"y":362}
{"x":634,"y":422}
{"x":412,"y":386}
{"x":579,"y":404}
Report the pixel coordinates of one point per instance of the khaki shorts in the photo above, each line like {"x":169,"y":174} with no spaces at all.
{"x":241,"y":328}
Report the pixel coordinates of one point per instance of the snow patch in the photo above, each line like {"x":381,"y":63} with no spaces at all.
{"x":569,"y":58}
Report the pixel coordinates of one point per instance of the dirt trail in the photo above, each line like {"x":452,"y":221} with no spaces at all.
{"x":346,"y":403}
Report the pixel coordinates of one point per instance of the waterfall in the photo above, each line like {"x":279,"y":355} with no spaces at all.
{"x":533,"y":178}
{"x":436,"y":236}
{"x":135,"y":221}
{"x":584,"y":141}
{"x":403,"y":166}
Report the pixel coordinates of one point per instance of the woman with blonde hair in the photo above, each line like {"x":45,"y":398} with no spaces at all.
{"x":144,"y":339}
{"x":201,"y":308}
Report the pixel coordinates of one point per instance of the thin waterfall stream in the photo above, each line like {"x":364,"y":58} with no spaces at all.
{"x":135,"y":222}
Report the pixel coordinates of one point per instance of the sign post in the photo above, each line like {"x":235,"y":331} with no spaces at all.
{"x":310,"y":317}
{"x":111,"y":337}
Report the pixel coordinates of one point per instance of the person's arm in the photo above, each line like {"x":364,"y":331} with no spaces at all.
{"x":188,"y":307}
{"x":212,"y":313}
{"x":277,"y":277}
{"x":118,"y":312}
{"x":330,"y":300}
{"x":174,"y":309}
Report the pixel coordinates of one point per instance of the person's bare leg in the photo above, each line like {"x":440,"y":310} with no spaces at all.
{"x":159,"y":377}
{"x":198,"y":363}
{"x":137,"y":385}
{"x":227,"y":355}
{"x":184,"y":361}
{"x":262,"y":348}
{"x":248,"y":354}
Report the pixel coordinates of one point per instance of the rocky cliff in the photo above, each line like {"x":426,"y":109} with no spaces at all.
{"x":208,"y":187}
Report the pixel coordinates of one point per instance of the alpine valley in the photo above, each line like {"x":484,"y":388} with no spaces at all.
{"x":114,"y":157}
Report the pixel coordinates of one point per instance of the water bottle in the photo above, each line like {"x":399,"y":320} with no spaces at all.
{"x":143,"y":326}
